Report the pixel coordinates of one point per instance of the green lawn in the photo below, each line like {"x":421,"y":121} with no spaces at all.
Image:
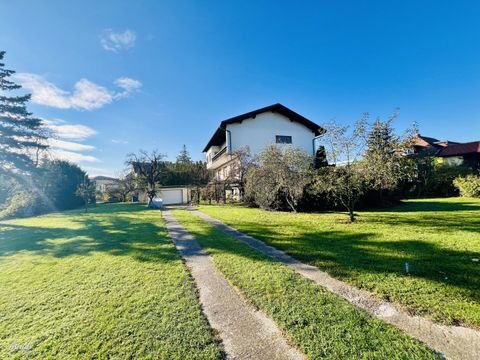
{"x":439,"y":238}
{"x":321,"y":324}
{"x":108,"y":284}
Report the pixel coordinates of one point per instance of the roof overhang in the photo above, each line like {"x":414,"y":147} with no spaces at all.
{"x":219,"y":136}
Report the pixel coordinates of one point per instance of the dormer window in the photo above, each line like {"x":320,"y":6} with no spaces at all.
{"x":283,"y":139}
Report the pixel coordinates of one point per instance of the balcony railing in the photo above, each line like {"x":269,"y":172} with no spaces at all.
{"x":218,"y":154}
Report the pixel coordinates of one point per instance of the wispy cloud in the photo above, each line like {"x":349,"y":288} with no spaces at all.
{"x":86,"y":94}
{"x":117,"y":41}
{"x":128,"y":85}
{"x":63,"y":130}
{"x":72,"y":156}
{"x":69,"y":145}
{"x":64,"y":142}
{"x":119,"y":141}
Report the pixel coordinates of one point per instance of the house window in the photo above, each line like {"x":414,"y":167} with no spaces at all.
{"x":283,"y":139}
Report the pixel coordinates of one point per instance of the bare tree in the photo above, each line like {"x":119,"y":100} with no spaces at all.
{"x":86,"y":191}
{"x":126,"y":185}
{"x":345,"y":182}
{"x":148,"y":169}
{"x":237,"y":175}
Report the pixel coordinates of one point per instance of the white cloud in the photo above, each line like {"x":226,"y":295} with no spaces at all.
{"x":117,"y":41}
{"x":73,"y":156}
{"x":69,"y":145}
{"x":43,"y":92}
{"x":86,"y":95}
{"x":69,"y":131}
{"x":119,"y":141}
{"x":64,"y":141}
{"x":89,"y":95}
{"x":129,"y":85}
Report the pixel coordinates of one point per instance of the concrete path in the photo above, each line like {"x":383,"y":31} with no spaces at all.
{"x":245,"y":332}
{"x":454,"y":342}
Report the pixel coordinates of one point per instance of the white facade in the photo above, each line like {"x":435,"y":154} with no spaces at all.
{"x":174,"y":195}
{"x":105,"y":184}
{"x":256,"y":133}
{"x":261,"y":131}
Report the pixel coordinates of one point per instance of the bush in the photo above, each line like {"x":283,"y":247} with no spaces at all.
{"x":468,"y":186}
{"x":433,"y":179}
{"x":279,"y":178}
{"x":23,"y":204}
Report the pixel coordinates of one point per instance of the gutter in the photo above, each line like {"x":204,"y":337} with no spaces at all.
{"x":229,"y":141}
{"x":322,"y":132}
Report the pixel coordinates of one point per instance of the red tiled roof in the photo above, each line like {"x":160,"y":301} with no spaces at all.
{"x":461,"y":149}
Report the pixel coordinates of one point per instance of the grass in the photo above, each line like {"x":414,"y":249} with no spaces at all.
{"x":439,"y":238}
{"x":108,"y":284}
{"x":321,"y":324}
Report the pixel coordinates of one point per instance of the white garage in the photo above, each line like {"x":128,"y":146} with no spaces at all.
{"x":172,"y":196}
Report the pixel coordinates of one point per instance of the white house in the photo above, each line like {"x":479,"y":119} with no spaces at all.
{"x":274,"y":124}
{"x":105,"y":183}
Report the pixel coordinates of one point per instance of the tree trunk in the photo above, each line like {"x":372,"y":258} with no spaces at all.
{"x":352,"y":215}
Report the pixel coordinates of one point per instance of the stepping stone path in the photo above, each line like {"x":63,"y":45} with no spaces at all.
{"x":454,"y":342}
{"x":246,"y":333}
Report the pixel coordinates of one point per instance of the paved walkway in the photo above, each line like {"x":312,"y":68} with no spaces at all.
{"x":245,"y":332}
{"x":454,"y":342}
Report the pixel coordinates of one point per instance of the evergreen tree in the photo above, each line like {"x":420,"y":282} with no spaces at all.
{"x":20,"y":133}
{"x":183,"y":158}
{"x":385,"y":161}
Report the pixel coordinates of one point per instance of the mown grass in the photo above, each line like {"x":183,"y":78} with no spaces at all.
{"x":439,"y":238}
{"x":108,"y":284}
{"x":321,"y":324}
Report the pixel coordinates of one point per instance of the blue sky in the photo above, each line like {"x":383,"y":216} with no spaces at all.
{"x":112,"y":77}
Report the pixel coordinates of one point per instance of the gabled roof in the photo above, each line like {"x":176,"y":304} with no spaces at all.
{"x":219,"y":137}
{"x":461,"y":149}
{"x":425,"y":141}
{"x":101,"y":177}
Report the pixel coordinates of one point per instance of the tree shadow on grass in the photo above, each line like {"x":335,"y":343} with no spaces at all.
{"x":434,"y":206}
{"x":347,"y":254}
{"x":436,"y":215}
{"x":108,"y":229}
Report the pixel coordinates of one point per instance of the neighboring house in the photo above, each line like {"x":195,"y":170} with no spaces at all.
{"x":105,"y":183}
{"x":449,"y":153}
{"x":274,"y":124}
{"x":462,"y":154}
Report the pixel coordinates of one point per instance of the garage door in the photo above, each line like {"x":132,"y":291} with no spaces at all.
{"x":173,"y":196}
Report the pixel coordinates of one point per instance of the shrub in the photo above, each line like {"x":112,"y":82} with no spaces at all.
{"x":469,"y":186}
{"x":279,"y":178}
{"x":23,"y":204}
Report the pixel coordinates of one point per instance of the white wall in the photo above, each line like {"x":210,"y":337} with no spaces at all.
{"x":453,"y":161}
{"x":260,"y":131}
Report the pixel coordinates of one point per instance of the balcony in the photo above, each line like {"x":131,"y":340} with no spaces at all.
{"x":219,"y":158}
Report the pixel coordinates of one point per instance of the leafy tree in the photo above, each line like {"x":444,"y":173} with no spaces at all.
{"x":385,"y":160}
{"x":279,"y":175}
{"x":58,"y":181}
{"x":51,"y":188}
{"x":20,"y":133}
{"x":148,"y":169}
{"x":346,"y":181}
